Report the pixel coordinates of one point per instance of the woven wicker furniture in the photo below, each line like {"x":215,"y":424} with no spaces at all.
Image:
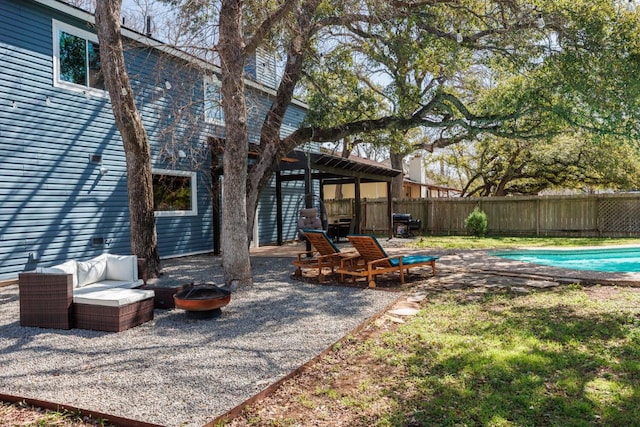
{"x":94,"y":294}
{"x":373,"y":261}
{"x":46,"y":300}
{"x":164,"y":295}
{"x":117,"y":316}
{"x":324,"y":255}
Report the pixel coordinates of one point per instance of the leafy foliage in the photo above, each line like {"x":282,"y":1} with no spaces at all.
{"x":499,"y":167}
{"x":559,"y":96}
{"x":476,"y":223}
{"x":462,"y":71}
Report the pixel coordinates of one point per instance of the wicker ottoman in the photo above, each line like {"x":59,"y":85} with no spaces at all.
{"x":113,"y":310}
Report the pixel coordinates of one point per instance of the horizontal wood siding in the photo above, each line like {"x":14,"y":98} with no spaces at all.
{"x":265,"y":68}
{"x":261,"y":68}
{"x":174,"y":122}
{"x":53,"y":200}
{"x":267,"y":215}
{"x":257,"y":106}
{"x":292,"y":202}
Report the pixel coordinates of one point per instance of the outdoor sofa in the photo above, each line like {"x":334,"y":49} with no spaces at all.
{"x":100,"y":294}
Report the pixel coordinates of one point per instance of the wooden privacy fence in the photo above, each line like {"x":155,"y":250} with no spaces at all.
{"x":606,"y":215}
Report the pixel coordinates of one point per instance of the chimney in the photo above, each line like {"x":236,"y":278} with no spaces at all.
{"x":417,"y":169}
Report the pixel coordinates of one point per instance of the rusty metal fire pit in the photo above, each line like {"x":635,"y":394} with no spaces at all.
{"x":202,"y":298}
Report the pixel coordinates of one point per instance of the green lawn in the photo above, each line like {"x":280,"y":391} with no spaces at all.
{"x":467,"y":242}
{"x":567,"y":357}
{"x":561,"y":358}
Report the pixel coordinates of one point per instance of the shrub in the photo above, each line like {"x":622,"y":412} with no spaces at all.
{"x":476,"y":223}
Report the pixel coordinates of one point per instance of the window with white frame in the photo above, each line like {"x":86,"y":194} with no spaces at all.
{"x":77,"y":59}
{"x":174,"y":193}
{"x":213,"y":112}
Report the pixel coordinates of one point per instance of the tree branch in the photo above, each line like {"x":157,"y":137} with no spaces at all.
{"x":252,"y":43}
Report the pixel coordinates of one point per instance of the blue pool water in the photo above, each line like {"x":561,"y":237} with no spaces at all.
{"x":611,"y":260}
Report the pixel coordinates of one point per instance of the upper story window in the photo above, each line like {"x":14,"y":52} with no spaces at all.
{"x":213,"y":112}
{"x":174,"y":193}
{"x":77,"y":59}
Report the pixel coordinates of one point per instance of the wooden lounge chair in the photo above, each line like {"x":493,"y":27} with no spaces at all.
{"x":324,"y":254}
{"x":373,"y":260}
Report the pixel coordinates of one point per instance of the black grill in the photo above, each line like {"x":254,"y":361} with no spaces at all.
{"x":403,"y":225}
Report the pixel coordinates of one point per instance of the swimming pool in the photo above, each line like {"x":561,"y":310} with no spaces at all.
{"x":611,"y":260}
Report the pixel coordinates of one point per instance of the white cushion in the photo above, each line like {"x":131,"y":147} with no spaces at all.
{"x":122,"y":267}
{"x":68,"y":267}
{"x":92,"y":271}
{"x":111,"y":297}
{"x":104,"y":284}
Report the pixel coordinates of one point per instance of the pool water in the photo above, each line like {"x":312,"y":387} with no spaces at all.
{"x":611,"y":260}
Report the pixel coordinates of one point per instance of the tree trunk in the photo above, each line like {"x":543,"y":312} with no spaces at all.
{"x":272,"y":148}
{"x":235,"y":241}
{"x":134,"y":137}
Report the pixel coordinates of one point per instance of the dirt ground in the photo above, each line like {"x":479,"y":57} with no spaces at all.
{"x":20,"y":414}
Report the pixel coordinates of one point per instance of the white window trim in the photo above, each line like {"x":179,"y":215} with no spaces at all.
{"x":194,"y":192}
{"x":88,"y":91}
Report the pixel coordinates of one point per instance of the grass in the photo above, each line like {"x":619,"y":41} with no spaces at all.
{"x":559,"y":358}
{"x":468,"y":242}
{"x":569,"y":357}
{"x":22,"y":414}
{"x":554,"y":358}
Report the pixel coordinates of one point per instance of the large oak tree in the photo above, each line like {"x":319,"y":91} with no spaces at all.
{"x":579,"y":68}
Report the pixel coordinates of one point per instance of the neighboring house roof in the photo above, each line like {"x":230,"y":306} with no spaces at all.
{"x":429,"y":184}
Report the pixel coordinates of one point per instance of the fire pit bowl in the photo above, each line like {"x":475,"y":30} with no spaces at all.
{"x":202,"y":298}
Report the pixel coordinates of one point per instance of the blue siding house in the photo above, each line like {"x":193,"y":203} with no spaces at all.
{"x":62,"y":167}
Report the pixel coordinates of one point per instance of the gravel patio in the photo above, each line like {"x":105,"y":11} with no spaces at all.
{"x":177,"y":370}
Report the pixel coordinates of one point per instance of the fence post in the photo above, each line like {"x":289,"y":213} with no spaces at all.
{"x":538,"y":217}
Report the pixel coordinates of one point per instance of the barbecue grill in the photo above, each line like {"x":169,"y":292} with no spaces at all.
{"x":404,"y":225}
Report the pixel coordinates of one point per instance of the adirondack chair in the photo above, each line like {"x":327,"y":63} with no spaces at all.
{"x":324,"y":254}
{"x":373,"y":260}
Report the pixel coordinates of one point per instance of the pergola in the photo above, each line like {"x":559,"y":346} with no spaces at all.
{"x":308,"y":166}
{"x":330,"y":169}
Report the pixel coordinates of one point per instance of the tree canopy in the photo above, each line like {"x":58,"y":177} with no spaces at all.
{"x":460,"y":70}
{"x":499,"y":167}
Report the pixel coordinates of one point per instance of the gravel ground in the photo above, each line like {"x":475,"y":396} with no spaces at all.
{"x":180,"y":371}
